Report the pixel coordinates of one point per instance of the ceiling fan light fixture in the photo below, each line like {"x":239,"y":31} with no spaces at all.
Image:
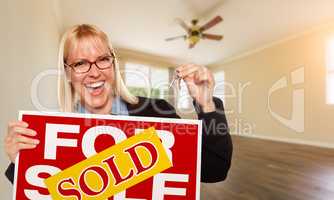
{"x":195,"y":32}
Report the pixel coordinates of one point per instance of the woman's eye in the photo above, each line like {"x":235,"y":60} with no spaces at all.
{"x":105,"y":59}
{"x":79,"y":64}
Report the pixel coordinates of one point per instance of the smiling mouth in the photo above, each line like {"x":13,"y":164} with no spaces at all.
{"x":95,"y":88}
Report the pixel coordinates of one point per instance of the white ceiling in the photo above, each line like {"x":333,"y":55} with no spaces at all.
{"x":248,"y":24}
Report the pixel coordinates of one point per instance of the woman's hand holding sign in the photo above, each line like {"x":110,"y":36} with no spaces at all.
{"x":16,"y":138}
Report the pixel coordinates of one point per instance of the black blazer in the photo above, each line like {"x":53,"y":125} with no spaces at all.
{"x":216,"y":140}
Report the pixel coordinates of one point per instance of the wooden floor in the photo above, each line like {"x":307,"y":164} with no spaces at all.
{"x":268,"y":170}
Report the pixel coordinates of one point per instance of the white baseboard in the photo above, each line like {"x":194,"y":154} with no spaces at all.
{"x":288,"y":140}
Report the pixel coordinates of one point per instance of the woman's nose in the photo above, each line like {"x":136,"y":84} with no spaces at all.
{"x":94,"y":71}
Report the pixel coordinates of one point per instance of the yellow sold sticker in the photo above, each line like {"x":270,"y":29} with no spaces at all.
{"x":112,"y":170}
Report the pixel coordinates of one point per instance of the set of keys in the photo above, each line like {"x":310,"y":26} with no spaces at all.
{"x":176,"y":79}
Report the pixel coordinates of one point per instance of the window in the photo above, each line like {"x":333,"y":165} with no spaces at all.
{"x":330,"y":88}
{"x":159,"y":82}
{"x":144,"y":80}
{"x":220,"y":85}
{"x":330,"y":72}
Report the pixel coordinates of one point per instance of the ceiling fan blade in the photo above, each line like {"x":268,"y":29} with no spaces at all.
{"x":176,"y":37}
{"x":211,"y":23}
{"x":212,"y":36}
{"x":183,"y":24}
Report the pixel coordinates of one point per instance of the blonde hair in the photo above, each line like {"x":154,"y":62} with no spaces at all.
{"x":67,"y":97}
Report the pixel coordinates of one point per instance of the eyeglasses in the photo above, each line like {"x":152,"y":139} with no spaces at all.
{"x":83,"y":66}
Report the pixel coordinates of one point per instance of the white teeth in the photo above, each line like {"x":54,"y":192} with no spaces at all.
{"x":95,"y":85}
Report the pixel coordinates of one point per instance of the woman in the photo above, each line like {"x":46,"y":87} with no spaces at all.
{"x":90,"y":81}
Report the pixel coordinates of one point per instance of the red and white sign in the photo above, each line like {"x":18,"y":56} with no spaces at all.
{"x":68,"y":138}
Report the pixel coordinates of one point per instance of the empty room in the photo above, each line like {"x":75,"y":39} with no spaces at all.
{"x":237,"y":95}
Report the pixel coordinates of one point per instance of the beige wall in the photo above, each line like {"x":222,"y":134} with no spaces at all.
{"x":29,"y":41}
{"x":258,"y":72}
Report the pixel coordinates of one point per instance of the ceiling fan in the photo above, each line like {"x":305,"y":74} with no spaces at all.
{"x":195,"y":32}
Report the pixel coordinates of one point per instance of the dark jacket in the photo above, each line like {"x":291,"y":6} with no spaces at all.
{"x":216,"y":140}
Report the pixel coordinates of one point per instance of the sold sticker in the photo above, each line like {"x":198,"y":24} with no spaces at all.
{"x":112,"y":170}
